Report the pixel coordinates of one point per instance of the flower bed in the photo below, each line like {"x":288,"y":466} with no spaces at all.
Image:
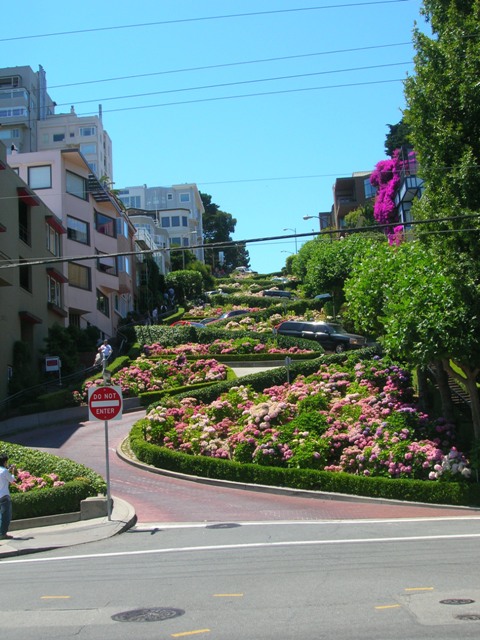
{"x":361,"y":421}
{"x":234,"y":346}
{"x":145,"y":375}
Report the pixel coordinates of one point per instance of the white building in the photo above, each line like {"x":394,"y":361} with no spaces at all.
{"x":29,"y":122}
{"x":178,"y":211}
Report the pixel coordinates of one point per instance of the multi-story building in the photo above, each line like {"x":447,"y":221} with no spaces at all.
{"x":32,"y":289}
{"x":178,"y":210}
{"x":410,"y":186}
{"x":349,"y":194}
{"x":29,"y":122}
{"x":100,"y":286}
{"x":150,"y":237}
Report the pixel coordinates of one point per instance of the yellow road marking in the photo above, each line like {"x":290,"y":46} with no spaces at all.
{"x":55,"y":597}
{"x":228,"y":595}
{"x":388,"y":606}
{"x":189,"y":633}
{"x":419,"y":589}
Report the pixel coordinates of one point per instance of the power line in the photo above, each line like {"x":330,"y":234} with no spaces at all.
{"x":240,"y":82}
{"x":246,"y":95}
{"x":229,"y":64}
{"x":200,"y":19}
{"x":9,"y":264}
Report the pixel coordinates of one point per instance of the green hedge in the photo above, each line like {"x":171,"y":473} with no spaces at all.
{"x":461,"y":494}
{"x":51,"y":501}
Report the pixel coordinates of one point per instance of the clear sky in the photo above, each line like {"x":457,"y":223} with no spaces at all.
{"x":262,"y":111}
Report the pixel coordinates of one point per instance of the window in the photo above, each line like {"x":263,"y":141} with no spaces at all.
{"x":176,"y":241}
{"x":78,"y":230}
{"x":40,"y":177}
{"x":165,"y":221}
{"x":54,"y":292}
{"x":107,"y":264}
{"x":88,"y":147}
{"x":184,"y":197}
{"x":58,"y":137}
{"x":105,"y":225}
{"x":122,"y":227}
{"x":184,"y":221}
{"x":9,"y":134}
{"x":370,"y":190}
{"x":25,"y":275}
{"x":77,"y":186}
{"x":93,"y":167}
{"x":24,"y":222}
{"x":79,"y":276}
{"x":87,"y":131}
{"x":185,"y":242}
{"x":175,"y":221}
{"x":103,"y":303}
{"x":53,"y":240}
{"x":169,"y":196}
{"x":124,"y":264}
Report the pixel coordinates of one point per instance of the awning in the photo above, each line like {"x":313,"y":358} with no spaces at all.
{"x":28,"y":196}
{"x":26,"y":316}
{"x":55,"y":223}
{"x":57,"y":275}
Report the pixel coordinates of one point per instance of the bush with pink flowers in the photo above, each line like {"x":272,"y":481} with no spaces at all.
{"x":144,"y":374}
{"x":26,"y":481}
{"x":361,"y":421}
{"x":234,"y":346}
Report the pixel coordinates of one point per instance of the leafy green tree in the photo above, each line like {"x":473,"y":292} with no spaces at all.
{"x":397,"y":138}
{"x":443,"y":113}
{"x":362,"y":216}
{"x":186,"y":284}
{"x":217,"y":228}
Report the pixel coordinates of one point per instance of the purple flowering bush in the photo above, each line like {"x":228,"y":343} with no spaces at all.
{"x":154,"y":375}
{"x":361,"y":421}
{"x":27,"y":481}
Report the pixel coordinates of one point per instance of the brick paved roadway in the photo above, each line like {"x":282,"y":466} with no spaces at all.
{"x":158,"y":498}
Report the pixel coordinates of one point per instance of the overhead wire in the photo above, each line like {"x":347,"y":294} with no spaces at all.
{"x":200,"y":19}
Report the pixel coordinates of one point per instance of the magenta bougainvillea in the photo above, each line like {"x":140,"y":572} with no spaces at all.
{"x":386,"y":178}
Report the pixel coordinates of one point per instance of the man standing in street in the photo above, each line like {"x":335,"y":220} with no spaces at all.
{"x":7,"y":477}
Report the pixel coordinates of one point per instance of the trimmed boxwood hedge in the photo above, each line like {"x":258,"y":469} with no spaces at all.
{"x":51,"y":501}
{"x":460,"y":494}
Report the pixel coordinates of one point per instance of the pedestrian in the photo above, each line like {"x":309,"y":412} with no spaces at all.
{"x":104,"y":352}
{"x":155,"y":315}
{"x":7,"y":477}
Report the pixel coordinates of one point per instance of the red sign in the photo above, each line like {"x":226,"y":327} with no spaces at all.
{"x":105,"y":403}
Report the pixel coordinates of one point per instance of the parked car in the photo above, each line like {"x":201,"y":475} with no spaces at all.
{"x":332,"y":336}
{"x":276,"y":293}
{"x":227,"y":314}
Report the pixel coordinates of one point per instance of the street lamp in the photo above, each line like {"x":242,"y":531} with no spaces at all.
{"x":326,"y":215}
{"x":295,"y":232}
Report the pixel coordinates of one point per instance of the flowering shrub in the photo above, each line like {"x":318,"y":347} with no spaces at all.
{"x":233,"y":346}
{"x":26,"y":482}
{"x":361,"y":421}
{"x":155,"y":375}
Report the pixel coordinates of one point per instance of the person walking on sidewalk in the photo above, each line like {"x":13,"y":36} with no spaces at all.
{"x":7,"y":477}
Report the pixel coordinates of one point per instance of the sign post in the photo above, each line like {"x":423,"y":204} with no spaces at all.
{"x":105,"y":403}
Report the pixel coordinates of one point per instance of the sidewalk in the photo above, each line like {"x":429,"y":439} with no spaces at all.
{"x":67,"y":534}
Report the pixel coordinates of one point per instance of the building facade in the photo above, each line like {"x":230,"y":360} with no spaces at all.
{"x":99,"y":283}
{"x":178,"y":211}
{"x":32,"y":282}
{"x":349,"y":194}
{"x":29,"y":122}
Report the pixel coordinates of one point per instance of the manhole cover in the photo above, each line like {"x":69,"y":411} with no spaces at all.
{"x":156,"y":614}
{"x":468,"y":616}
{"x":223,"y":525}
{"x":457,"y":601}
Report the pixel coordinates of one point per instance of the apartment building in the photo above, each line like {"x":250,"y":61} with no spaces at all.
{"x":29,"y":122}
{"x":32,"y":291}
{"x":178,"y":211}
{"x":99,"y":283}
{"x":350,"y":193}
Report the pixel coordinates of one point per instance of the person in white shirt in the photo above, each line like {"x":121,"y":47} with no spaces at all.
{"x":104,"y":352}
{"x":7,"y":477}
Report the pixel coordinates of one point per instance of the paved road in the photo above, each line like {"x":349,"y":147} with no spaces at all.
{"x":159,"y":498}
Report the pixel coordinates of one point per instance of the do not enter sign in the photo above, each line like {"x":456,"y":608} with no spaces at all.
{"x":105,"y":403}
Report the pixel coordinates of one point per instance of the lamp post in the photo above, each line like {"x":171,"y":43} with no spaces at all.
{"x":295,"y":232}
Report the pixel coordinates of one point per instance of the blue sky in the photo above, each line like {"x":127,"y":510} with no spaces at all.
{"x":267,"y":159}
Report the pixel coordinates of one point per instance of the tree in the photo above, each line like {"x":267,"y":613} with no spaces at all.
{"x":217,"y":228}
{"x":362,"y":216}
{"x":397,"y":138}
{"x":425,"y":309}
{"x":443,"y":113}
